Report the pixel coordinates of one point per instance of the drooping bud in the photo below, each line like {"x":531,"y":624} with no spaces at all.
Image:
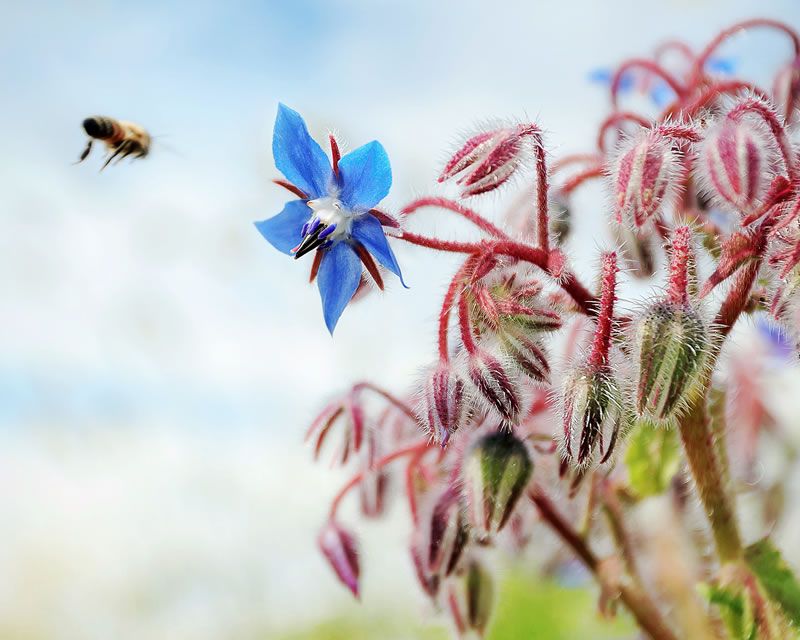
{"x":471,"y":599}
{"x":496,"y":472}
{"x":672,"y":341}
{"x":527,"y":353}
{"x":339,"y":548}
{"x":592,"y":414}
{"x":443,"y":407}
{"x":496,"y":383}
{"x":638,"y":249}
{"x":428,"y":581}
{"x":643,"y":178}
{"x":449,"y":533}
{"x":487,"y":160}
{"x":737,"y":161}
{"x":375,"y":481}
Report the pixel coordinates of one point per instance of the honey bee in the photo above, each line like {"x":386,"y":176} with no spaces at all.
{"x":122,"y":139}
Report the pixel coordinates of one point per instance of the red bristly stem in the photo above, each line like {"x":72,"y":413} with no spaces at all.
{"x":759,"y":108}
{"x":598,"y":357}
{"x":574,"y":158}
{"x":568,"y":281}
{"x":542,"y":204}
{"x":473,"y":216}
{"x":614,"y":119}
{"x":677,"y":289}
{"x":413,"y":448}
{"x":710,"y":93}
{"x":647,"y":65}
{"x":392,"y":399}
{"x":738,"y":297}
{"x":579,"y":178}
{"x":447,"y":303}
{"x":700,"y":63}
{"x":642,"y":608}
{"x":464,"y":325}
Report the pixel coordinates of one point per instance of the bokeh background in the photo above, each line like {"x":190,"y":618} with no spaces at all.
{"x":159,"y":361}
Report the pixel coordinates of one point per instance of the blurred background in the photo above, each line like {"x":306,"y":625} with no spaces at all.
{"x":159,"y":362}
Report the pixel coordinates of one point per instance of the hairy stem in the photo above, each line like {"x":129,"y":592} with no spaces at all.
{"x":635,"y":599}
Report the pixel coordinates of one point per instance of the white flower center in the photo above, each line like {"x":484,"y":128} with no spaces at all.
{"x":329,"y":211}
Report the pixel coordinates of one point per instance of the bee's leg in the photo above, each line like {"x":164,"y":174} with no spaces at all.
{"x":86,"y":152}
{"x":117,"y":151}
{"x":130,"y":149}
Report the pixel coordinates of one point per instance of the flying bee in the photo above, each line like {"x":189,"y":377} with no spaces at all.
{"x":122,"y":139}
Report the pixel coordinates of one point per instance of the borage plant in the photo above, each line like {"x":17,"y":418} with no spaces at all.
{"x":502,"y":439}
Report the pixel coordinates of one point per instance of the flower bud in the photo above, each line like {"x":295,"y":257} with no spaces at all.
{"x":643,"y":178}
{"x":592,"y":414}
{"x":530,"y":318}
{"x":339,"y":548}
{"x":443,"y":408}
{"x":638,"y":250}
{"x":471,"y":599}
{"x":496,"y":472}
{"x":449,"y":533}
{"x":737,"y":160}
{"x":428,"y":581}
{"x":496,"y":384}
{"x":672,"y":342}
{"x":527,"y":354}
{"x":488,"y":159}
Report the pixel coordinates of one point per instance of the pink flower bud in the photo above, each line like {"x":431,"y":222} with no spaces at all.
{"x":496,"y":472}
{"x":643,"y":178}
{"x":592,"y":414}
{"x":448,"y":533}
{"x":339,"y":548}
{"x":443,"y":407}
{"x":496,"y":383}
{"x":737,"y":162}
{"x":471,"y":599}
{"x":488,"y":159}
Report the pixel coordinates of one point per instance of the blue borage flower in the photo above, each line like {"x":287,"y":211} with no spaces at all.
{"x":334,"y":215}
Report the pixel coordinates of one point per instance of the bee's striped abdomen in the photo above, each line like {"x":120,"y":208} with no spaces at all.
{"x":102,"y":128}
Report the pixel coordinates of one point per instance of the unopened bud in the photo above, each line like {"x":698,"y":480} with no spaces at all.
{"x":428,"y":580}
{"x":471,"y":599}
{"x":488,"y":159}
{"x":643,"y":178}
{"x":673,"y":342}
{"x":449,"y":533}
{"x":496,"y":383}
{"x":496,"y":472}
{"x":527,"y":354}
{"x":443,"y":408}
{"x":638,"y":250}
{"x":592,"y":414}
{"x":737,"y":159}
{"x":339,"y":548}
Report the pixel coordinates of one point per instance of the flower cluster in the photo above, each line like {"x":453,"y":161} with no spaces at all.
{"x":506,"y":416}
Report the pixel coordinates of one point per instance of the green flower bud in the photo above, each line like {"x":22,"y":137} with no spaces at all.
{"x":673,"y":343}
{"x":496,"y":472}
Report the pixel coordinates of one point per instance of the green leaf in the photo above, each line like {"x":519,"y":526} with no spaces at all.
{"x":776,"y":576}
{"x":653,"y":458}
{"x":735,"y":609}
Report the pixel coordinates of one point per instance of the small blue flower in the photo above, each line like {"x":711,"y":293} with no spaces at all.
{"x":334,"y":216}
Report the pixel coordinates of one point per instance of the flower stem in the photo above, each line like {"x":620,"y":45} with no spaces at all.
{"x":638,"y":603}
{"x":708,"y":472}
{"x":411,"y":449}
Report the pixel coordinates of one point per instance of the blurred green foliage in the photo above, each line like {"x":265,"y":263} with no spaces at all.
{"x":526,"y":609}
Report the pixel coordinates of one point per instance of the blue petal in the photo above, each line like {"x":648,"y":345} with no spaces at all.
{"x":297,"y":154}
{"x":284,"y":231}
{"x":369,"y":232}
{"x":338,"y":278}
{"x":365,"y":177}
